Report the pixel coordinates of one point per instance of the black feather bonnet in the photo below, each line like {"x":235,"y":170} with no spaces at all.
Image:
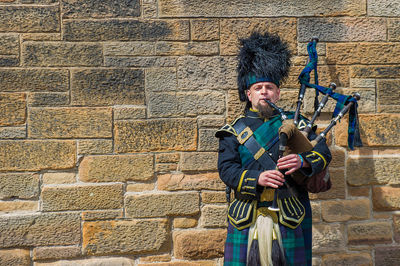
{"x":262,"y":57}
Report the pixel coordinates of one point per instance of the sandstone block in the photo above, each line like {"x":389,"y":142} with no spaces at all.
{"x":45,"y":229}
{"x":91,"y":87}
{"x":13,"y":132}
{"x":375,"y":71}
{"x":149,"y":9}
{"x":140,"y":187}
{"x":157,"y":258}
{"x":376,"y":130}
{"x":204,"y":29}
{"x":37,"y":36}
{"x":386,"y":198}
{"x":234,"y":29}
{"x":316,"y":211}
{"x":126,"y":113}
{"x":59,"y":178}
{"x":56,"y":253}
{"x":396,"y":227}
{"x":242,"y":8}
{"x":9,"y":60}
{"x":195,"y":73}
{"x":185,"y":222}
{"x":29,"y":18}
{"x":90,"y":262}
{"x":167,"y":157}
{"x":116,"y":168}
{"x":345,"y":210}
{"x":12,"y":109}
{"x":214,"y":216}
{"x":180,"y":181}
{"x":186,"y":104}
{"x":155,"y":135}
{"x":166,"y":167}
{"x":48,"y":99}
{"x":366,"y":171}
{"x":199,"y":161}
{"x":343,"y":53}
{"x":347,"y":259}
{"x":161,"y":79}
{"x":337,"y":190}
{"x":142,"y":62}
{"x":9,"y":44}
{"x":387,"y":255}
{"x":34,"y":155}
{"x":327,"y":238}
{"x":61,"y":54}
{"x":393,"y":29}
{"x":125,"y":30}
{"x":199,"y":244}
{"x":95,"y":146}
{"x":191,"y":48}
{"x":358,"y":191}
{"x":19,"y":185}
{"x":78,"y":197}
{"x":235,"y":106}
{"x":210,"y":121}
{"x":138,"y":236}
{"x":386,"y":90}
{"x":138,"y":48}
{"x":19,"y":206}
{"x":338,"y":157}
{"x":102,"y":215}
{"x":106,"y":9}
{"x":383,"y":8}
{"x":342,"y":29}
{"x":362,"y":83}
{"x":34,"y":80}
{"x":369,"y":233}
{"x":68,"y":122}
{"x":15,"y":257}
{"x":207,"y":140}
{"x":161,"y":204}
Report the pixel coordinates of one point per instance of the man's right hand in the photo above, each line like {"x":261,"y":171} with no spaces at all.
{"x":271,"y":178}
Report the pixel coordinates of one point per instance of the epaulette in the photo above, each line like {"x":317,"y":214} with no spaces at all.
{"x":228,"y":128}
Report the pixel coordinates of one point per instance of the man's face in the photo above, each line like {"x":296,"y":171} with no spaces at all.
{"x":261,"y":91}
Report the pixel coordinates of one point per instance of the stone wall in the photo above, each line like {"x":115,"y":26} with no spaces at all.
{"x":108,"y":111}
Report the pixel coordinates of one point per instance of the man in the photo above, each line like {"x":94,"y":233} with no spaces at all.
{"x":248,"y":164}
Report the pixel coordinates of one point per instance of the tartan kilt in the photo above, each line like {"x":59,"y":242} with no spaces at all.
{"x":296,"y":242}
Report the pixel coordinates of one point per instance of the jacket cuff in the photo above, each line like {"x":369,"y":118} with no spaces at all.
{"x":248,"y":183}
{"x":316,"y":160}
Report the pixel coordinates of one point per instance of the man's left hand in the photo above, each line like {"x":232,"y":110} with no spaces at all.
{"x":291,"y":162}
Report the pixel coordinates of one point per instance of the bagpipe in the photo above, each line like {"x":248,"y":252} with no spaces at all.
{"x":293,"y":140}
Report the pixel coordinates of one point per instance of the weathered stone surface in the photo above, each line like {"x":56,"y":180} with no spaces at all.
{"x":78,"y":197}
{"x":12,"y":109}
{"x":204,"y":29}
{"x":394,"y":29}
{"x":396,"y":227}
{"x":58,"y":178}
{"x":91,"y":87}
{"x":125,"y":237}
{"x":345,"y":210}
{"x":199,"y":161}
{"x":387,"y":92}
{"x":185,"y":222}
{"x":125,"y":30}
{"x":55,"y":253}
{"x":168,"y":157}
{"x":172,"y":134}
{"x":166,"y":167}
{"x":157,"y":258}
{"x":40,"y":229}
{"x":9,"y":60}
{"x":207,"y":140}
{"x":214,"y":72}
{"x":161,"y":79}
{"x":102,"y":215}
{"x":376,"y":171}
{"x":243,"y":8}
{"x":37,"y":36}
{"x":116,"y":168}
{"x":186,"y":104}
{"x":358,"y":191}
{"x":138,"y":48}
{"x":29,"y":18}
{"x":15,"y":257}
{"x":375,"y":71}
{"x":211,"y":121}
{"x":376,"y":130}
{"x":90,"y":262}
{"x":347,"y":259}
{"x":124,"y":112}
{"x":383,"y":8}
{"x":19,"y":206}
{"x":369,"y":233}
{"x":386,"y":198}
{"x":328,"y":238}
{"x":70,"y":122}
{"x":180,"y":181}
{"x":61,"y":54}
{"x":214,"y":216}
{"x":199,"y":244}
{"x":387,"y":255}
{"x":103,"y":9}
{"x":337,"y":190}
{"x":316,"y":211}
{"x":9,"y":44}
{"x":234,"y":29}
{"x":342,"y":29}
{"x":19,"y":185}
{"x":235,"y":106}
{"x":162,"y":204}
{"x":95,"y":146}
{"x":13,"y":132}
{"x":48,"y":99}
{"x":149,"y":8}
{"x":338,"y":157}
{"x":142,"y":62}
{"x":140,"y":187}
{"x":362,"y":83}
{"x":34,"y":155}
{"x":34,"y":80}
{"x":191,"y":48}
